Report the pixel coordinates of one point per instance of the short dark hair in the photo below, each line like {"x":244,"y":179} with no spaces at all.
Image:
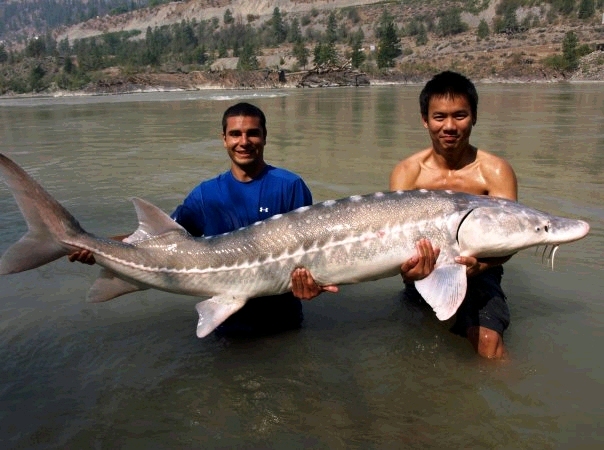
{"x":244,"y":109}
{"x":449,"y":84}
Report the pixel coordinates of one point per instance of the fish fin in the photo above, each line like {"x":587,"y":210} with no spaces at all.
{"x":31,"y":251}
{"x":152,"y":221}
{"x":49,"y":223}
{"x":444,"y":289}
{"x":109,"y":286}
{"x":215,"y":310}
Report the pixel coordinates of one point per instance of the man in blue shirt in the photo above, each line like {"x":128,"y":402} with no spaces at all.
{"x":251,"y":190}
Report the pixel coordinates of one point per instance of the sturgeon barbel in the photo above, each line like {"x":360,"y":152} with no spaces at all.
{"x":355,"y":239}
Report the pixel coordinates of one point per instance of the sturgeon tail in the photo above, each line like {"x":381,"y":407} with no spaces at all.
{"x":49,"y":224}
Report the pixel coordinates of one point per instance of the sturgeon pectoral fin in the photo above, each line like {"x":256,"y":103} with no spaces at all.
{"x":108,"y":286}
{"x":444,"y":289}
{"x":215,"y":310}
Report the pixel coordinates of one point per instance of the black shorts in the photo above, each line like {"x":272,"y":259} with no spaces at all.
{"x":264,"y":315}
{"x":484,"y":305}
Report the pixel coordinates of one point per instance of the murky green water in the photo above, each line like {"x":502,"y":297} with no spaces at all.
{"x":365,"y":371}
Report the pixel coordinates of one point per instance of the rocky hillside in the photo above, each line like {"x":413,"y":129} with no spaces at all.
{"x":199,"y":10}
{"x":499,"y":56}
{"x":517,"y":55}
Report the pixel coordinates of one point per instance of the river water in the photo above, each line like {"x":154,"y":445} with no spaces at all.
{"x":366,"y":370}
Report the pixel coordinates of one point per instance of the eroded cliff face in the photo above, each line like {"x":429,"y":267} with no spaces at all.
{"x":199,"y":10}
{"x":499,"y":56}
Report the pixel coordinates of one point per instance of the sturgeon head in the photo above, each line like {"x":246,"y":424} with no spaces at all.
{"x":498,"y":227}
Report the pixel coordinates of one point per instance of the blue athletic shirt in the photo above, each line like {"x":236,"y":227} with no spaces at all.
{"x":224,"y":204}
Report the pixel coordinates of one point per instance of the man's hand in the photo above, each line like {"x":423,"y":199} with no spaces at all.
{"x":475,"y":266}
{"x":87,"y":257}
{"x":304,"y":286}
{"x":422,"y":264}
{"x":83,"y":256}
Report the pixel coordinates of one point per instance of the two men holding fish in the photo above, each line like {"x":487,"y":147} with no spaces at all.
{"x":448,"y":109}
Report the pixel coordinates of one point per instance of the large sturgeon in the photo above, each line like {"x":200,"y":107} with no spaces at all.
{"x":345,"y":241}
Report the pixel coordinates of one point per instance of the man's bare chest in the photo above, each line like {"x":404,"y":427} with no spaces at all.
{"x":459,"y":181}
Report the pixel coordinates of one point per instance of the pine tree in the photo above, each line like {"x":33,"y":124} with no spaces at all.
{"x":228,"y":17}
{"x":3,"y":54}
{"x":64,"y":47}
{"x":247,"y":57}
{"x":223,"y":51}
{"x":483,"y":29}
{"x":331,"y":33}
{"x":587,"y":9}
{"x":199,"y":55}
{"x":450,"y":23}
{"x":279,"y":34}
{"x":301,"y":53}
{"x":295,"y":34}
{"x":36,"y":47}
{"x":35,"y":78}
{"x":317,"y":54}
{"x":422,"y":35}
{"x":563,"y":6}
{"x":357,"y":57}
{"x":153,"y":47}
{"x":569,"y":50}
{"x":389,"y":46}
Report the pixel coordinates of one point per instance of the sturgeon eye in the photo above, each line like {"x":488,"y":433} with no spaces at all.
{"x":537,"y":228}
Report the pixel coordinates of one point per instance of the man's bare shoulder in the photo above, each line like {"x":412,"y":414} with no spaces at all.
{"x":498,"y":174}
{"x":405,"y":172}
{"x":493,"y":163}
{"x":484,"y":155}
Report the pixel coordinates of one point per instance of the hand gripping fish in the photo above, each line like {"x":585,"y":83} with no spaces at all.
{"x":355,"y":239}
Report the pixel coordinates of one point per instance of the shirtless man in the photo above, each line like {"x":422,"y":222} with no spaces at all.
{"x":448,"y":105}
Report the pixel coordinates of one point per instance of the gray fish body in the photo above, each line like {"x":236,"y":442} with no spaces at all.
{"x":351,"y":240}
{"x":344,"y":241}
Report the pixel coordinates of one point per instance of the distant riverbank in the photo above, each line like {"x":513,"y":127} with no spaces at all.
{"x":115,"y":83}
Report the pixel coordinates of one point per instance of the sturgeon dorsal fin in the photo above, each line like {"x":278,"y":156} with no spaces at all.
{"x":152,"y":221}
{"x":444,"y":289}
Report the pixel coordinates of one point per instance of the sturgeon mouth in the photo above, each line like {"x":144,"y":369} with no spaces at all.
{"x":550,"y":257}
{"x":578,"y":231}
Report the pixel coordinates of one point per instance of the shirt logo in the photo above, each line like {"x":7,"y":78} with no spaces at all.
{"x":263,"y":209}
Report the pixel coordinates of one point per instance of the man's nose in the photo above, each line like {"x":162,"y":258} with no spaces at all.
{"x":449,"y":123}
